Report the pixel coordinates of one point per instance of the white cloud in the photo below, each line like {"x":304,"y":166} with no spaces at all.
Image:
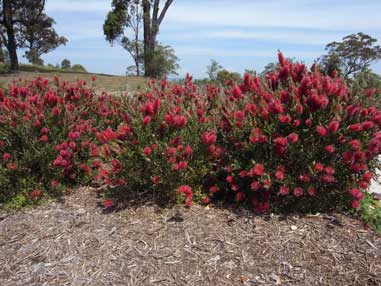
{"x":323,"y":14}
{"x":223,"y":52}
{"x":275,"y":35}
{"x":78,"y":5}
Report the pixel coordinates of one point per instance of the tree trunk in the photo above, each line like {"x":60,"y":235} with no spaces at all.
{"x":147,"y":37}
{"x":11,"y":39}
{"x":151,"y":29}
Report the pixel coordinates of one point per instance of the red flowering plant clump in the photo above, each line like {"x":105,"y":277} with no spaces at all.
{"x":298,"y":138}
{"x":156,"y":144}
{"x":295,"y":138}
{"x":44,"y":136}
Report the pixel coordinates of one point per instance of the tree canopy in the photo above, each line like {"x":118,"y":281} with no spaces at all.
{"x":125,"y":23}
{"x":23,"y":24}
{"x":355,"y":53}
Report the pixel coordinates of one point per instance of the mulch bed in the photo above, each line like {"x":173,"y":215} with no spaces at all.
{"x":75,"y":243}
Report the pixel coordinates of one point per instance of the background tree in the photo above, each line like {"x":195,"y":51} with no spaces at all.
{"x":164,"y":62}
{"x":8,"y":31}
{"x":213,"y":69}
{"x":123,"y":24}
{"x":65,"y":64}
{"x":78,"y":68}
{"x":24,"y":25}
{"x":226,"y":77}
{"x":39,"y":37}
{"x":355,"y":53}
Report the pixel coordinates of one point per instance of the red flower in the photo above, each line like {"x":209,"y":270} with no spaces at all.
{"x":355,"y":144}
{"x":333,"y":126}
{"x":236,"y":92}
{"x":147,"y":120}
{"x":327,"y":178}
{"x":155,"y":180}
{"x":255,"y":186}
{"x":356,"y":194}
{"x":330,"y":149}
{"x":188,"y":150}
{"x":284,"y":118}
{"x":209,"y":138}
{"x":229,"y":179}
{"x":281,"y":141}
{"x":280,"y":173}
{"x":367,"y":125}
{"x":367,"y":177}
{"x":205,"y":200}
{"x":239,"y":115}
{"x":116,"y":166}
{"x":108,"y":203}
{"x":94,"y":151}
{"x":293,"y":138}
{"x":54,"y":184}
{"x":182,"y":165}
{"x":56,"y":111}
{"x":298,"y":192}
{"x":355,"y":204}
{"x":329,"y":170}
{"x":240,"y":196}
{"x":311,"y":191}
{"x":35,"y":194}
{"x":6,"y":156}
{"x":257,"y":170}
{"x":355,"y":127}
{"x":74,"y":135}
{"x":214,"y":189}
{"x":107,"y":135}
{"x":284,"y":191}
{"x":321,"y":131}
{"x":44,"y":138}
{"x":318,"y":167}
{"x":179,"y":121}
{"x":124,"y":130}
{"x":147,"y":151}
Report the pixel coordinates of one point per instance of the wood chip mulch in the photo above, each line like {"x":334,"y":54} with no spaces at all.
{"x":75,"y":243}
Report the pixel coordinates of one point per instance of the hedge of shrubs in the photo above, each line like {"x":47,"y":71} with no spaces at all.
{"x":296,"y":138}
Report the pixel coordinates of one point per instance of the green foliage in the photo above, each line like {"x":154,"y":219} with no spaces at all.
{"x":78,"y":68}
{"x":164,"y":62}
{"x":370,"y":211}
{"x":116,"y":20}
{"x":65,"y":64}
{"x":33,"y":57}
{"x":355,"y":53}
{"x":225,"y":76}
{"x":213,"y":69}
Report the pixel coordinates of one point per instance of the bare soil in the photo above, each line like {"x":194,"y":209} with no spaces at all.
{"x":74,"y":242}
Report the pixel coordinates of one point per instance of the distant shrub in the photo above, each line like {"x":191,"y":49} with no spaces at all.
{"x":78,"y":68}
{"x":227,"y":77}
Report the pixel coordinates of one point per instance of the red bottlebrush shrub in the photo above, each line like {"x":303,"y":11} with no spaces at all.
{"x":293,"y":139}
{"x":297,"y":137}
{"x":44,"y":136}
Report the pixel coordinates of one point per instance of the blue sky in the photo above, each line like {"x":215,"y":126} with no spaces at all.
{"x":239,"y":34}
